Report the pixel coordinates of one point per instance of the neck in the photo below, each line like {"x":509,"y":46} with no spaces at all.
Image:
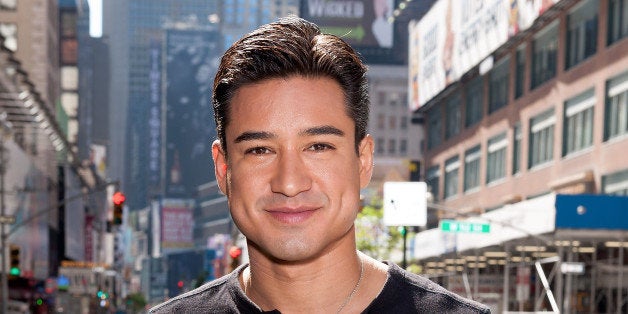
{"x":327,"y":285}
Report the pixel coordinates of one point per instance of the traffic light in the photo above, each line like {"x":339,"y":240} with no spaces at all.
{"x":14,"y":256}
{"x":118,"y":203}
{"x":414,"y":168}
{"x":235,"y":253}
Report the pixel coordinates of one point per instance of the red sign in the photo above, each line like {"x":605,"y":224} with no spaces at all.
{"x":176,"y":227}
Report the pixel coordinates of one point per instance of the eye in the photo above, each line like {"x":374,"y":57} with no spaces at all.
{"x":257,"y":151}
{"x":320,"y":147}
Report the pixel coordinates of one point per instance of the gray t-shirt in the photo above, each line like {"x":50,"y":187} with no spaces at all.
{"x":403,"y":292}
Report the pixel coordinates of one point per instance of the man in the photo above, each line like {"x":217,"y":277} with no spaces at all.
{"x":291,"y":108}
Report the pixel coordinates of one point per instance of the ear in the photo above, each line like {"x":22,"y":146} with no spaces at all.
{"x":365,"y":151}
{"x":220,"y":166}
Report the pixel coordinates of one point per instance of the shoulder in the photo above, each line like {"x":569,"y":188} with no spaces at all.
{"x":405,"y":290}
{"x":214,"y":296}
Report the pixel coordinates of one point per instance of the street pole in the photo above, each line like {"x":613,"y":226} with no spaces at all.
{"x":3,"y":239}
{"x":4,"y":132}
{"x":404,"y":231}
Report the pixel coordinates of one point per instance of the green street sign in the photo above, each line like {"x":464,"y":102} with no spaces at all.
{"x":447,"y":225}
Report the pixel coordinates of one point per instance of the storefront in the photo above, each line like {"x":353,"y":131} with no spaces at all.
{"x":566,"y":253}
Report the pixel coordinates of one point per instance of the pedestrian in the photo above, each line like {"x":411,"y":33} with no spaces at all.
{"x":291,"y":107}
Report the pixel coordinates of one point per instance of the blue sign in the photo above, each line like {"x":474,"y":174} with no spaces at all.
{"x":591,"y":211}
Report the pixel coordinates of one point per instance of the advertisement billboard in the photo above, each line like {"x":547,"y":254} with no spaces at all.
{"x":191,"y":62}
{"x":177,"y":224}
{"x":454,"y":37}
{"x":366,"y":25}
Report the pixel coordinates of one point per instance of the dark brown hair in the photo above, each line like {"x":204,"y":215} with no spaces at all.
{"x":289,"y":47}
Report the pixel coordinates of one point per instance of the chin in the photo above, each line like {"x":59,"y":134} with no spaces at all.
{"x":290,"y":250}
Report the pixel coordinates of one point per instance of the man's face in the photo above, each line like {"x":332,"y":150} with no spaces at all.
{"x":292,"y":175}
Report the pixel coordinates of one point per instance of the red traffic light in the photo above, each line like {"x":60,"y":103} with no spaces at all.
{"x":180,"y":284}
{"x":118,"y":198}
{"x":235,"y":252}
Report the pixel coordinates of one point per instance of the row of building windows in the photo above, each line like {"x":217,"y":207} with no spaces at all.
{"x":612,"y":184}
{"x":391,"y":147}
{"x":577,"y":135}
{"x":8,"y":5}
{"x":581,"y":43}
{"x":392,"y":122}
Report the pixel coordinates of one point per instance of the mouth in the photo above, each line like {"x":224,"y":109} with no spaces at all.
{"x":291,"y":216}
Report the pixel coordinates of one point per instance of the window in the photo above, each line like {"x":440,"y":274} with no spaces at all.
{"x":380,"y":145}
{"x":8,"y":5}
{"x":434,"y":128}
{"x":541,"y":148}
{"x":616,"y":183}
{"x":392,"y":146}
{"x":498,"y":95}
{"x":617,"y":20}
{"x":395,"y":99}
{"x":403,"y":146}
{"x":453,"y":116}
{"x":516,"y":149}
{"x":432,"y":179}
{"x":520,"y":69}
{"x":9,"y":32}
{"x":403,"y":122}
{"x":616,"y":120}
{"x":381,"y":121}
{"x":581,"y":33}
{"x":381,"y":98}
{"x":472,"y":168}
{"x":451,"y":176}
{"x":474,"y":102}
{"x":578,"y":122}
{"x":544,"y":49}
{"x":392,"y":122}
{"x":496,"y":158}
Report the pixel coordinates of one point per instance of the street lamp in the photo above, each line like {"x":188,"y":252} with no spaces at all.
{"x":5,"y":133}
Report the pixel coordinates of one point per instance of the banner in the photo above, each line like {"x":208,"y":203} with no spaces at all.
{"x":177,"y":224}
{"x":455,"y":36}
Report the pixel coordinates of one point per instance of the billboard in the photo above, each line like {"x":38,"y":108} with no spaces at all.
{"x":154,"y":116}
{"x":363,"y":24}
{"x":177,"y":224}
{"x":453,"y":37}
{"x":192,"y":57}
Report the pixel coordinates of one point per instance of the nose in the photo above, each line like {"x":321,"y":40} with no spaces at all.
{"x":291,"y":175}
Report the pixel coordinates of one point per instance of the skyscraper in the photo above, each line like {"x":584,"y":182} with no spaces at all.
{"x":136,"y":30}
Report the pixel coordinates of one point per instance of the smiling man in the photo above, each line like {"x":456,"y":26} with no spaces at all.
{"x":291,"y":108}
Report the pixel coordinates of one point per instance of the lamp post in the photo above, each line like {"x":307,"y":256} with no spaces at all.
{"x":5,"y":132}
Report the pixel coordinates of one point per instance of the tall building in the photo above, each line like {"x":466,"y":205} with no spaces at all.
{"x":135,"y":29}
{"x":525,"y":107}
{"x":35,"y":151}
{"x":397,"y":139}
{"x":238,"y":17}
{"x":30,"y":28}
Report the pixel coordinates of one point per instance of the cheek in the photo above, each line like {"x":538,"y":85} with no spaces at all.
{"x":245,"y":184}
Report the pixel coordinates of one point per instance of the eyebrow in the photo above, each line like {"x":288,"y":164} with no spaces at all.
{"x":251,"y":136}
{"x":323,"y":130}
{"x":319,"y":130}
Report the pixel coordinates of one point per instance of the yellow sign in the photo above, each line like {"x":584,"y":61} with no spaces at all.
{"x":83,"y":264}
